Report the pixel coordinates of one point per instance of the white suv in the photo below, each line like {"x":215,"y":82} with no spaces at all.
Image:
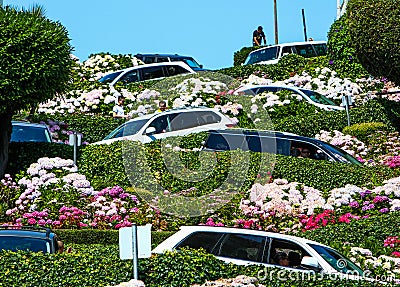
{"x":174,"y":122}
{"x":146,"y":72}
{"x":245,"y":246}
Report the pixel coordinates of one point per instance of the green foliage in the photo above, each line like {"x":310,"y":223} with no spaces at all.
{"x":373,"y":27}
{"x":104,"y":237}
{"x":341,"y":54}
{"x":23,"y":154}
{"x":104,"y":165}
{"x":311,"y":124}
{"x":240,"y":56}
{"x":365,"y":233}
{"x":35,"y":59}
{"x":93,"y":127}
{"x":287,"y":66}
{"x":363,"y":130}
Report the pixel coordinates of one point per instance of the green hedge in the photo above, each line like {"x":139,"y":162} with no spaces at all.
{"x":93,"y":127}
{"x":363,"y":130}
{"x":22,"y":155}
{"x":104,"y":166}
{"x":99,"y":265}
{"x":104,"y":237}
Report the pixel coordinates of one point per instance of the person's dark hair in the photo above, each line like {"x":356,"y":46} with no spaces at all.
{"x":259,"y":28}
{"x":279,"y":256}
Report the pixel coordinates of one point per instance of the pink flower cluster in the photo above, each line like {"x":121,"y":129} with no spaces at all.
{"x":71,"y":217}
{"x":394,"y":243}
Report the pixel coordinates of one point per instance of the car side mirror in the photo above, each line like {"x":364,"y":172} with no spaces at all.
{"x":150,"y":130}
{"x":310,"y":263}
{"x":201,"y":66}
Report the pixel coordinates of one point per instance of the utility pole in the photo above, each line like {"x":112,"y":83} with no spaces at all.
{"x":276,"y":23}
{"x":341,"y":8}
{"x":304,"y":25}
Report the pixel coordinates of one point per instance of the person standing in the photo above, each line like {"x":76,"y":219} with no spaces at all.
{"x":258,"y":36}
{"x":118,"y":110}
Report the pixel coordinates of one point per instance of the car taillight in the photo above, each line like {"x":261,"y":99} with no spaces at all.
{"x":232,"y":125}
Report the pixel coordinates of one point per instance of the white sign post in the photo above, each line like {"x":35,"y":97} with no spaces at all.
{"x":75,"y":140}
{"x":347,"y":102}
{"x":134,"y":243}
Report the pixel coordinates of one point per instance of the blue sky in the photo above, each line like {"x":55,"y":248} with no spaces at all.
{"x":209,"y":30}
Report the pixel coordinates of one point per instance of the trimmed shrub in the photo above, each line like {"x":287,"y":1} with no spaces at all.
{"x":363,"y":130}
{"x":93,"y":127}
{"x":23,"y":154}
{"x":341,"y":54}
{"x":373,"y":26}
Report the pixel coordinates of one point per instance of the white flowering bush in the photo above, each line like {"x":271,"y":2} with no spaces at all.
{"x":348,"y":143}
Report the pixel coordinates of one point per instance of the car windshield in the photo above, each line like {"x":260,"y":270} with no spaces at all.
{"x":337,"y":261}
{"x":318,"y":98}
{"x":22,"y":133}
{"x":109,"y":77}
{"x":266,"y":54}
{"x":189,"y":61}
{"x":15,"y":243}
{"x":127,"y":129}
{"x":341,"y":155}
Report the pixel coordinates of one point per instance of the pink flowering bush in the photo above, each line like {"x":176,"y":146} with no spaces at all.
{"x":393,"y":243}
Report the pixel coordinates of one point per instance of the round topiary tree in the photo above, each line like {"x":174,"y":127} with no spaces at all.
{"x":35,"y":65}
{"x":342,"y":56}
{"x":374,"y":32}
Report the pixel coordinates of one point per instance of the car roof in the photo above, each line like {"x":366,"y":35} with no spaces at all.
{"x":248,"y":87}
{"x":239,"y":131}
{"x":25,"y":231}
{"x":196,"y":228}
{"x":169,"y":111}
{"x":28,"y":124}
{"x":151,"y":65}
{"x":163,"y":55}
{"x":289,"y":44}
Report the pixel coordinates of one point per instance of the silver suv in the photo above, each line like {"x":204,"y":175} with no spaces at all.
{"x":158,"y":58}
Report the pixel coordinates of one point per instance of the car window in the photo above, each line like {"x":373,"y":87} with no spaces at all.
{"x":306,"y":50}
{"x":149,"y":59}
{"x":163,"y":123}
{"x":307,"y":150}
{"x":109,"y":77}
{"x":205,"y":240}
{"x":29,"y":134}
{"x":337,"y":260}
{"x":266,"y":89}
{"x":261,"y":144}
{"x":287,"y":50}
{"x":266,"y":54}
{"x":224,"y":142}
{"x":15,"y":243}
{"x":194,"y":119}
{"x":130,"y":77}
{"x":175,"y":70}
{"x":242,"y":246}
{"x":320,"y":49}
{"x":152,"y":73}
{"x":317,"y":97}
{"x":189,"y":61}
{"x":292,"y":250}
{"x":127,"y":129}
{"x":162,"y":59}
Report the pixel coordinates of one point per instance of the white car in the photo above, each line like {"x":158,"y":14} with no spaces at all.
{"x":174,"y":122}
{"x":271,"y":54}
{"x":309,"y":96}
{"x":245,"y":246}
{"x":146,"y":72}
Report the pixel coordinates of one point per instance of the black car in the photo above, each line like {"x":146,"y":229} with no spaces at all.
{"x":276,"y":143}
{"x":29,"y":238}
{"x":157,"y":58}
